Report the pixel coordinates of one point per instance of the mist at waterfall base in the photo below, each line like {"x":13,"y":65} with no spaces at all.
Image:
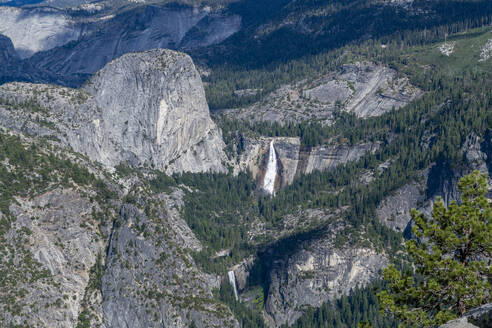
{"x":271,"y":171}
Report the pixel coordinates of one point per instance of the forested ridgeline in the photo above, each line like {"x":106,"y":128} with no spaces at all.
{"x":225,"y":79}
{"x":431,"y":129}
{"x":283,"y":30}
{"x":361,"y":306}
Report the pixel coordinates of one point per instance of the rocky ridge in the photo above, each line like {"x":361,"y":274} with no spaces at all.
{"x":39,"y":29}
{"x":319,"y":270}
{"x":12,"y":68}
{"x":77,"y":245}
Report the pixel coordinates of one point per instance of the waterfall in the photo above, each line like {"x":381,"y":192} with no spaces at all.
{"x":271,"y":172}
{"x":232,"y":280}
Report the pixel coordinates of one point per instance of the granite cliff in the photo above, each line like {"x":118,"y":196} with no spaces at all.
{"x":295,"y":159}
{"x":82,"y":243}
{"x":71,"y":45}
{"x":144,"y":109}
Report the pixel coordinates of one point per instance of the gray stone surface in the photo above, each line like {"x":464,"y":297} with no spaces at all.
{"x":394,"y":210}
{"x":294,"y":159}
{"x":12,"y":68}
{"x":7,"y":51}
{"x":150,"y":279}
{"x":458,"y":323}
{"x":365,"y":89}
{"x":69,"y":255}
{"x":139,"y":29}
{"x":144,"y":109}
{"x":439,"y":180}
{"x":63,"y":237}
{"x":317,"y":272}
{"x":39,"y":29}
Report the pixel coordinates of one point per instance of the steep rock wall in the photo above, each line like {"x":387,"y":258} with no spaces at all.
{"x":296,"y":159}
{"x":316,"y":272}
{"x":144,"y":109}
{"x":40,"y":29}
{"x":439,"y":180}
{"x":140,"y":29}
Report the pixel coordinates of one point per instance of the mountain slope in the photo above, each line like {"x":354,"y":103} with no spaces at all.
{"x":145,"y":109}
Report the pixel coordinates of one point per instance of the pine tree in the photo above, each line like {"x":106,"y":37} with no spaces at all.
{"x":449,"y":254}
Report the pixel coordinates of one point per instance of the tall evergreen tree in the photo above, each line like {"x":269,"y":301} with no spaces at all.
{"x":450,"y":257}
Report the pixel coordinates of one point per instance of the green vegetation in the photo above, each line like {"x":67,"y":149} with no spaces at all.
{"x":247,"y":317}
{"x":451,"y":274}
{"x":420,"y":39}
{"x":429,"y":131}
{"x":361,"y":306}
{"x":95,"y":280}
{"x":28,"y":169}
{"x":310,"y":133}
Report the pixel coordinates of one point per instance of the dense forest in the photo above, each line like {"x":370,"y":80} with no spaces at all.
{"x":273,"y":49}
{"x":429,"y":131}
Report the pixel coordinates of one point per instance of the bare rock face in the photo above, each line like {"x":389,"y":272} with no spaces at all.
{"x":59,"y":243}
{"x":34,"y":30}
{"x":151,"y":283}
{"x":7,"y":51}
{"x":394,"y":210}
{"x":144,"y":109}
{"x":74,"y":252}
{"x":155,"y":114}
{"x":139,"y":29}
{"x":439,"y":180}
{"x":319,"y":271}
{"x":12,"y":68}
{"x":365,"y":89}
{"x":295,"y":159}
{"x":458,"y":323}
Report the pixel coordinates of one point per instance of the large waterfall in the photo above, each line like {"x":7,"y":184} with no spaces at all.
{"x":232,"y":280}
{"x":271,"y":172}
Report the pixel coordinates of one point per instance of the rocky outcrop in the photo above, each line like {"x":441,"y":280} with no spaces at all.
{"x":295,"y":159}
{"x":458,"y":323}
{"x":365,"y":89}
{"x":439,"y":180}
{"x":60,"y":241}
{"x":70,"y":45}
{"x":12,"y":68}
{"x":144,"y":109}
{"x":75,"y":252}
{"x":151,"y":283}
{"x":486,"y":51}
{"x":394,"y":210}
{"x":7,"y":51}
{"x":317,"y":272}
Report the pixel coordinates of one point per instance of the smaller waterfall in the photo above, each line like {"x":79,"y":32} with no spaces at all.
{"x":232,"y":280}
{"x":271,"y":172}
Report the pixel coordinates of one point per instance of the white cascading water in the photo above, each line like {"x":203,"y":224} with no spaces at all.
{"x":232,"y":280}
{"x":271,"y":172}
